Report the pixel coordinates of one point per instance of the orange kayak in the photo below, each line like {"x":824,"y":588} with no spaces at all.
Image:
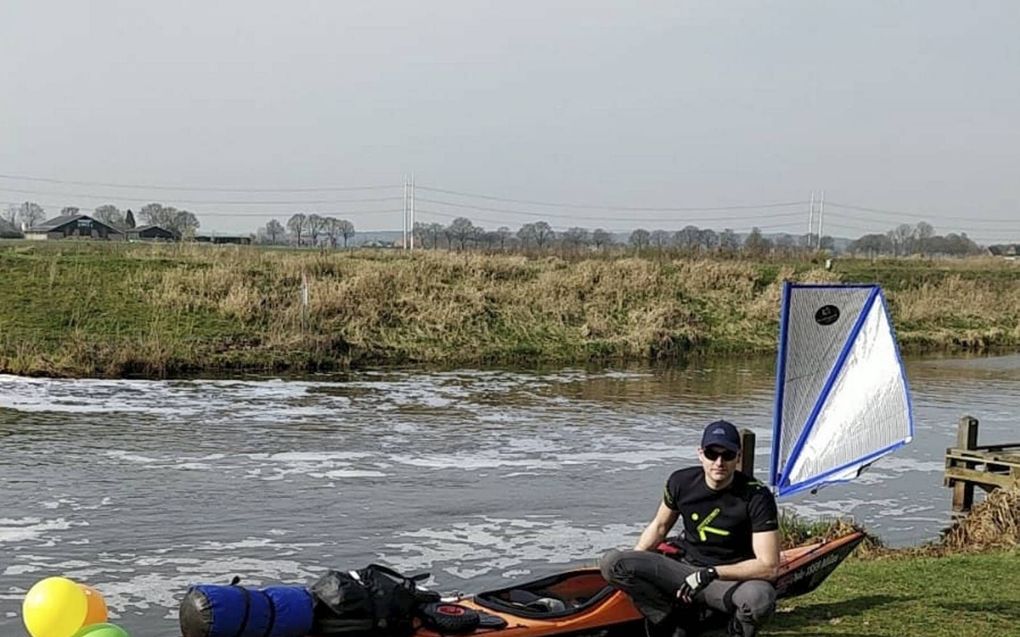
{"x":580,"y":603}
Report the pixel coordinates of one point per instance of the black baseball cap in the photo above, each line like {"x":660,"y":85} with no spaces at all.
{"x":723,"y":434}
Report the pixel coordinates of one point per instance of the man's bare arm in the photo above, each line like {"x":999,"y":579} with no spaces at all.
{"x":657,"y":529}
{"x":765,"y":564}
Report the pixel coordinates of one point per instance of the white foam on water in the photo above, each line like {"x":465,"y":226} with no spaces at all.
{"x":347,"y":473}
{"x":470,"y":461}
{"x":32,"y":529}
{"x":485,"y":545}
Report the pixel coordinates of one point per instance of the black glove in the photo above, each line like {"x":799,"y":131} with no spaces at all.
{"x":695,"y":583}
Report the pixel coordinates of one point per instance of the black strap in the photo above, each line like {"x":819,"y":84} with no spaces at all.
{"x":272,"y":614}
{"x":389,"y":571}
{"x":247,"y":611}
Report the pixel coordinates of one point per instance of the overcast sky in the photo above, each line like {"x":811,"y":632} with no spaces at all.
{"x":907,"y":107}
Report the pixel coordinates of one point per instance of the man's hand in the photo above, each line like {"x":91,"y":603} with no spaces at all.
{"x":695,"y":582}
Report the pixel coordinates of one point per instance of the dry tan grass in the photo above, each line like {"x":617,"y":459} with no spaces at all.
{"x":991,"y":524}
{"x":234,"y":305}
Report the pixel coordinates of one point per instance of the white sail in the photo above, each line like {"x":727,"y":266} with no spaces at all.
{"x":842,"y":398}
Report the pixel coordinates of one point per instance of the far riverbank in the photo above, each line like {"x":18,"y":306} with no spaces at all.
{"x":118,"y":310}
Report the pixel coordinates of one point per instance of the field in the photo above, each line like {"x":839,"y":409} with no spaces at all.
{"x":91,"y":309}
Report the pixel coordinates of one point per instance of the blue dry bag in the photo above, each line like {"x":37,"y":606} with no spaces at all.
{"x":237,"y":611}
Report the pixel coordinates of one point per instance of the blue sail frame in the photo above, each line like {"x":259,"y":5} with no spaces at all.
{"x":776,"y":476}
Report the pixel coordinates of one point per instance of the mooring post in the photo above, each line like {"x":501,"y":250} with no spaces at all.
{"x":746,"y":464}
{"x":966,"y":438}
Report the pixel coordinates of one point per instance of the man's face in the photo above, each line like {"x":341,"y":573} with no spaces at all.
{"x":719,"y":463}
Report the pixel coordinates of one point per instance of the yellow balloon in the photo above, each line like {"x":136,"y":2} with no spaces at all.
{"x":54,"y":607}
{"x":96,"y":612}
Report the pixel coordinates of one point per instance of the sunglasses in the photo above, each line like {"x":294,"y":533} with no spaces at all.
{"x":714,"y":454}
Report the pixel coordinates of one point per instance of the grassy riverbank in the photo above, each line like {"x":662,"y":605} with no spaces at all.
{"x":967,"y":583}
{"x":83,"y":309}
{"x":952,"y":596}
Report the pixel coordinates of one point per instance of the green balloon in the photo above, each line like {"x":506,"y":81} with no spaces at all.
{"x":102,"y":630}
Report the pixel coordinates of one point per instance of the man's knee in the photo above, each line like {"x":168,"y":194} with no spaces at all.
{"x":755,"y":601}
{"x":612,"y":566}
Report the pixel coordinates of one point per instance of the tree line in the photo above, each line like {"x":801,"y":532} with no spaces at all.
{"x":307,"y":229}
{"x":462,"y":234}
{"x":905,"y":240}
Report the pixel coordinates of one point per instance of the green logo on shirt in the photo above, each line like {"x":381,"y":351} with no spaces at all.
{"x":704,"y":528}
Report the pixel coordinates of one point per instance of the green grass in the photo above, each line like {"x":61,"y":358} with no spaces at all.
{"x":955,"y":596}
{"x":109,"y":309}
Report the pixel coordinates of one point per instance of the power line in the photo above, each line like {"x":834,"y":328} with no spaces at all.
{"x":783,"y":204}
{"x":216,"y":202}
{"x":602,"y":218}
{"x":503,"y":222}
{"x":926,"y":217}
{"x":288,"y":213}
{"x":193,"y":188}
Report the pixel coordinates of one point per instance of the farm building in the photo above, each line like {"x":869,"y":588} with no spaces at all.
{"x":150,"y":233}
{"x":74,"y":227}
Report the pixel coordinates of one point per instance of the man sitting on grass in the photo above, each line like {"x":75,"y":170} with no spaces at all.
{"x":730,"y":546}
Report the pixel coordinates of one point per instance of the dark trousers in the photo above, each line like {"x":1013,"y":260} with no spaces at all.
{"x":652,"y":579}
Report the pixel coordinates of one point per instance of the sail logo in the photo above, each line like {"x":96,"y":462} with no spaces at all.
{"x":827,"y":315}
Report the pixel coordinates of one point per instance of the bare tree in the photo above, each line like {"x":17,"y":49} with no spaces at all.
{"x":544,"y":234}
{"x":688,"y":238}
{"x":296,"y":225}
{"x":526,"y":234}
{"x":181,"y":222}
{"x":661,"y":239}
{"x":708,"y":239}
{"x":728,"y":240}
{"x":640,"y":238}
{"x":110,"y":215}
{"x":31,"y":214}
{"x":460,"y":230}
{"x":503,"y":235}
{"x":275,"y":231}
{"x":923,"y":231}
{"x":346,"y":230}
{"x":69,"y":211}
{"x":576,"y":238}
{"x":900,"y":237}
{"x":755,"y":244}
{"x":601,"y":238}
{"x":872,"y":245}
{"x":436,"y":230}
{"x":316,"y":225}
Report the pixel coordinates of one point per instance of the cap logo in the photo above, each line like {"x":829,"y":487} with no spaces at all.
{"x":718,"y":431}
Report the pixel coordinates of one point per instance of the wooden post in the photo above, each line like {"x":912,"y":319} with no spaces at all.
{"x":966,"y":438}
{"x":746,"y":463}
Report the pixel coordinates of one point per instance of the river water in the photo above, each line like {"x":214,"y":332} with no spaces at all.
{"x":141,"y":488}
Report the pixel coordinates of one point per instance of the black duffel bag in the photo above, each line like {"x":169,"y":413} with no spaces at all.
{"x":375,"y":601}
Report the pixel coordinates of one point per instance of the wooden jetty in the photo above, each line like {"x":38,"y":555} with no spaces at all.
{"x":970,"y":465}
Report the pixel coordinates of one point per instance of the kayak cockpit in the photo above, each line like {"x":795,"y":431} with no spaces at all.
{"x":551,"y":597}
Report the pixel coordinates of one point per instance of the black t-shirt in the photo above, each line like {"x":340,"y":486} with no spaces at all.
{"x":718,"y":525}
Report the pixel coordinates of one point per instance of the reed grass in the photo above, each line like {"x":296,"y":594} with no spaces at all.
{"x":90,"y":309}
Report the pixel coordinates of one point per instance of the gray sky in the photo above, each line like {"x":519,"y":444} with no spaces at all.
{"x":909,"y":107}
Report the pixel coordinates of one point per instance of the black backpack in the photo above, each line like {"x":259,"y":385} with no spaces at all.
{"x":375,"y":601}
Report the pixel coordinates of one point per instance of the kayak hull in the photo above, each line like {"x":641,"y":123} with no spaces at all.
{"x":591,"y":607}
